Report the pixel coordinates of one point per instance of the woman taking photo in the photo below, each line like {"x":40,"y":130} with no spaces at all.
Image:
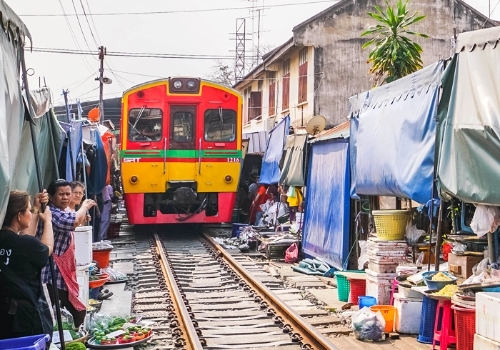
{"x":23,"y":308}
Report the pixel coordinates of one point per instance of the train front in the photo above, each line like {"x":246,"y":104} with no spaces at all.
{"x":180,"y":151}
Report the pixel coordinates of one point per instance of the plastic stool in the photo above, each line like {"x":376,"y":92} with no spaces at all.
{"x":446,"y":335}
{"x":394,"y":290}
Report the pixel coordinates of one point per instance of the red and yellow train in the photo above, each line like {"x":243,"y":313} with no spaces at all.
{"x":180,"y":151}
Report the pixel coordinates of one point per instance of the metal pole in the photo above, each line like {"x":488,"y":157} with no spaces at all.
{"x":73,"y":166}
{"x":431,"y":216}
{"x":439,"y":236}
{"x":40,"y":188}
{"x":101,"y":84}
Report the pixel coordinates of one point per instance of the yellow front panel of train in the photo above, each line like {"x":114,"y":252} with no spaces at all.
{"x":218,"y":177}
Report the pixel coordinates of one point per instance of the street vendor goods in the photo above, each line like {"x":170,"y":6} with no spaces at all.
{"x":447,"y":291}
{"x":441,"y":277}
{"x":115,"y":331}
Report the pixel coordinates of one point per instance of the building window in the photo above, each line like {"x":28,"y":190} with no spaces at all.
{"x":260,"y":83}
{"x":286,"y":85}
{"x":272,"y":93}
{"x":145,"y":124}
{"x":220,"y":125}
{"x":255,"y":105}
{"x":303,"y":75}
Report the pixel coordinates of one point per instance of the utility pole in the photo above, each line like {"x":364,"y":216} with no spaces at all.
{"x":102,"y":52}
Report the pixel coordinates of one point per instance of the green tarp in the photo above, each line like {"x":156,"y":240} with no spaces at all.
{"x":469,"y":120}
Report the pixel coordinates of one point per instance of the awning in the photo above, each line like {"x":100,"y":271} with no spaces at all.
{"x":293,"y":167}
{"x":393,"y":131}
{"x":257,"y":141}
{"x":270,"y":171}
{"x":326,"y":225}
{"x":469,"y":120}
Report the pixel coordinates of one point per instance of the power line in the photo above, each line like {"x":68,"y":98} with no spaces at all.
{"x":131,"y":54}
{"x":93,"y":23}
{"x":181,"y":11}
{"x":88,"y":23}
{"x":80,"y":25}
{"x":74,"y":36}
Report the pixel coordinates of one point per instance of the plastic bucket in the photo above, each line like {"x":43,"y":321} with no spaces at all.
{"x":389,"y":314}
{"x":102,"y":257}
{"x":366,"y":301}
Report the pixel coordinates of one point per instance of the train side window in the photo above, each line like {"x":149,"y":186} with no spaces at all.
{"x":145,"y":124}
{"x":220,"y":125}
{"x":183,"y":127}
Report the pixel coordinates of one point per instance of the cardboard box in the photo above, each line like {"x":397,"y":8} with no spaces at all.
{"x":461,"y":265}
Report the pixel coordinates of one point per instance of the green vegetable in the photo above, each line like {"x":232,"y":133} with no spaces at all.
{"x":76,"y":346}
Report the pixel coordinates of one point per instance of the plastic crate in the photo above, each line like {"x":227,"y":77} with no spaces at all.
{"x":32,"y":342}
{"x":390,"y":224}
{"x":427,"y":318}
{"x":465,"y":323}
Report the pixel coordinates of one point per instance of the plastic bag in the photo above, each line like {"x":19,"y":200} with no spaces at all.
{"x":363,"y":257}
{"x":413,"y":234}
{"x":292,"y":254}
{"x":486,"y":219}
{"x":114,"y":275}
{"x":368,"y":325}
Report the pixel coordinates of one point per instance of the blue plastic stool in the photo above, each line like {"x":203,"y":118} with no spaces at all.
{"x":426,"y":331}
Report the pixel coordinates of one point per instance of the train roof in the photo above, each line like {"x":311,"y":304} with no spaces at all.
{"x":184,"y":77}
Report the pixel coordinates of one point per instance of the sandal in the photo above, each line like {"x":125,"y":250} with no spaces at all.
{"x":104,"y":296}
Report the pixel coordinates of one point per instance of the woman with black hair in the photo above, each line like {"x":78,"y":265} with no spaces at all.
{"x":23,"y":308}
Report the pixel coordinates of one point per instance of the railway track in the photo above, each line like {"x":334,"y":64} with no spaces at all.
{"x":200,"y":297}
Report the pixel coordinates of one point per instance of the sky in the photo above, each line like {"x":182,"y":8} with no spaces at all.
{"x":190,"y":29}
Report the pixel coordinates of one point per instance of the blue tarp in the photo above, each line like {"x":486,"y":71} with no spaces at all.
{"x":98,"y":166}
{"x":393,"y":134}
{"x":270,"y":171}
{"x":326,"y":223}
{"x":74,"y":133}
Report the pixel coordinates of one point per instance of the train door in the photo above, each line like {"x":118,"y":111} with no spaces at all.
{"x":182,"y":143}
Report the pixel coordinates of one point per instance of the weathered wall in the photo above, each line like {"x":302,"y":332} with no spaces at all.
{"x":340,"y":68}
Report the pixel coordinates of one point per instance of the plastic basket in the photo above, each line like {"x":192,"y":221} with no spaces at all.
{"x":357,"y":289}
{"x":465,"y":324}
{"x":343,"y":285}
{"x":427,"y":318}
{"x":388,"y":313}
{"x":32,"y":342}
{"x":390,"y":224}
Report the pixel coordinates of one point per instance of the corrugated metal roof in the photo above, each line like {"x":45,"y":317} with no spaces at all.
{"x":341,"y":131}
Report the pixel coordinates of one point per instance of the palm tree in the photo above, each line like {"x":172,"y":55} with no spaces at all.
{"x":394,"y":54}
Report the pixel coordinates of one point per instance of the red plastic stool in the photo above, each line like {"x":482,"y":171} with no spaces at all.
{"x":446,"y":335}
{"x":394,"y":290}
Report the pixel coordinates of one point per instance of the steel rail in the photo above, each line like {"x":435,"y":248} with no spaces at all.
{"x":189,"y":332}
{"x":310,"y":334}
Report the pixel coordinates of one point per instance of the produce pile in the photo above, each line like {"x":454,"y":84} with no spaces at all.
{"x":441,"y":277}
{"x":447,"y":291}
{"x":118,"y":330}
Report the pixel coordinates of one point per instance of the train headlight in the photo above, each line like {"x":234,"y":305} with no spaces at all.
{"x":191,"y":84}
{"x":177,"y":84}
{"x":133,"y":179}
{"x":228,"y":179}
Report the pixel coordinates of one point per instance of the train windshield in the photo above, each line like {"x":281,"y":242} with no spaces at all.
{"x":220,"y":125}
{"x":145,"y":124}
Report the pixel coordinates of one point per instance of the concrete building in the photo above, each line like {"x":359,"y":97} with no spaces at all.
{"x":323,"y":64}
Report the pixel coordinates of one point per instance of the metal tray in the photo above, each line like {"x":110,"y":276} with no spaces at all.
{"x":93,"y":345}
{"x":115,"y":282}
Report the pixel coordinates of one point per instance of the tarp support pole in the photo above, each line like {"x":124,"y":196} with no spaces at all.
{"x":439,"y":236}
{"x":40,"y":188}
{"x":431,"y":217}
